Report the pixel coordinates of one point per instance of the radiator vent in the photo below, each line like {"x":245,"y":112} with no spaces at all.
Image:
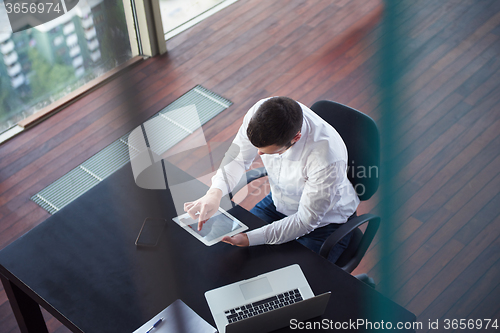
{"x":168,"y":130}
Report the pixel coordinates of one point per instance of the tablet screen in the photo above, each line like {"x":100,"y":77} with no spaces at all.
{"x":217,"y":226}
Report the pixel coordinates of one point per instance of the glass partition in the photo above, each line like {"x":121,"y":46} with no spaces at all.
{"x":177,"y":12}
{"x":45,"y":62}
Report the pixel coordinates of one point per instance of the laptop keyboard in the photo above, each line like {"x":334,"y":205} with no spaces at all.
{"x":265,"y":305}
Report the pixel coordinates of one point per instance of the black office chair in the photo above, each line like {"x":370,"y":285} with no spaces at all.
{"x":360,"y":134}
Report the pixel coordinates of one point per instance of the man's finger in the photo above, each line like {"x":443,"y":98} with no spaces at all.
{"x":203,"y":215}
{"x":192,"y":211}
{"x":187,"y":206}
{"x":200,"y":224}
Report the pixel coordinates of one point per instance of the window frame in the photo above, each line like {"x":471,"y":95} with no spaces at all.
{"x":145,"y":31}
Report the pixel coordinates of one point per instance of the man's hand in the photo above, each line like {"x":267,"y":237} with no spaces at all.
{"x":203,"y":208}
{"x":237,"y":240}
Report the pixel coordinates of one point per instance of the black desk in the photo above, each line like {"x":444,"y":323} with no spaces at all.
{"x":83,"y":267}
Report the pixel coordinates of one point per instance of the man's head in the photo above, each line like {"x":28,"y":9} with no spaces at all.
{"x":276,"y":125}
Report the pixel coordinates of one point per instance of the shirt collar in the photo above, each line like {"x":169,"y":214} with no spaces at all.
{"x":295,"y":151}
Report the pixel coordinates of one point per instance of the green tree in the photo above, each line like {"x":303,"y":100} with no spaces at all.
{"x":115,"y":44}
{"x":4,"y":94}
{"x":46,"y":78}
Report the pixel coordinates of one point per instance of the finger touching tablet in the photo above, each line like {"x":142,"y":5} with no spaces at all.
{"x":214,"y":229}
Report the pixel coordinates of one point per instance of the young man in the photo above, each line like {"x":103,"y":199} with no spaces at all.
{"x":306,"y":162}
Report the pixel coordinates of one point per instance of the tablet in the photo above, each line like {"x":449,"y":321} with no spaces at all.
{"x":220,"y":225}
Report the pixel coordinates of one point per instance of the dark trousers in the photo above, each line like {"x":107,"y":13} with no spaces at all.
{"x":266,"y":210}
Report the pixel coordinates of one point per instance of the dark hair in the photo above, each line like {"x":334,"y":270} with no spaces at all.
{"x":276,"y":122}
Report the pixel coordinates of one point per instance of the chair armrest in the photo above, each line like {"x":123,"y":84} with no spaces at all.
{"x":249,"y":177}
{"x":350,"y":225}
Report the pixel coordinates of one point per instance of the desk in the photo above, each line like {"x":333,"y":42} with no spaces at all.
{"x":83,"y":267}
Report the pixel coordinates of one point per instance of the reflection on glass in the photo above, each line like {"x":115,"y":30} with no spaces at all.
{"x":149,"y":149}
{"x":177,"y":12}
{"x":43,"y":64}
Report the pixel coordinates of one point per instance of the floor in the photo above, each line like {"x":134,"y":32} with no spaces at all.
{"x":445,"y":248}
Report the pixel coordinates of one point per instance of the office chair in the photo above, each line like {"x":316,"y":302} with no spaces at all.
{"x":360,"y":135}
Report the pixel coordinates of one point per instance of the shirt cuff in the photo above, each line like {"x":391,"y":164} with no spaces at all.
{"x":257,"y":236}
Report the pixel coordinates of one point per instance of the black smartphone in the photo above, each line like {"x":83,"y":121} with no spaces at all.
{"x":150,"y":232}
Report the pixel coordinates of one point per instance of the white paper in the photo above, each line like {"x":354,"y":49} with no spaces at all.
{"x":178,"y":318}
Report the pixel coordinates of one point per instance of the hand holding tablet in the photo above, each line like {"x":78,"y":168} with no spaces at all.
{"x":240,"y":240}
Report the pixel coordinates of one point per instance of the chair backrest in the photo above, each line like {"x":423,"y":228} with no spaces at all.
{"x":361,"y":136}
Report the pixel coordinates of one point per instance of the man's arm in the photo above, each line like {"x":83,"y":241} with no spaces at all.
{"x":234,"y":165}
{"x":320,"y":195}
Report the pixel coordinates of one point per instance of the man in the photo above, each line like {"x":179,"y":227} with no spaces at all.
{"x":306,"y":162}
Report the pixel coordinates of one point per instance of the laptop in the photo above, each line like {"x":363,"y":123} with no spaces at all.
{"x":266,"y":302}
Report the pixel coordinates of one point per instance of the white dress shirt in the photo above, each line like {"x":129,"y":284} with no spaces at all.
{"x":308,"y":182}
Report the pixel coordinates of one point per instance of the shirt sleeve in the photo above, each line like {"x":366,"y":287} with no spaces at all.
{"x":238,"y":158}
{"x":321,"y":193}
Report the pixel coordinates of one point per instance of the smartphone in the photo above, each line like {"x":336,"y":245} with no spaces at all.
{"x":151,"y":231}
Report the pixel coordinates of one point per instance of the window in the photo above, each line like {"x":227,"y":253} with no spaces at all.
{"x":38,"y":65}
{"x":177,"y":13}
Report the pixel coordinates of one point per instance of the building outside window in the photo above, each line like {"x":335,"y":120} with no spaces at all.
{"x":43,"y":64}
